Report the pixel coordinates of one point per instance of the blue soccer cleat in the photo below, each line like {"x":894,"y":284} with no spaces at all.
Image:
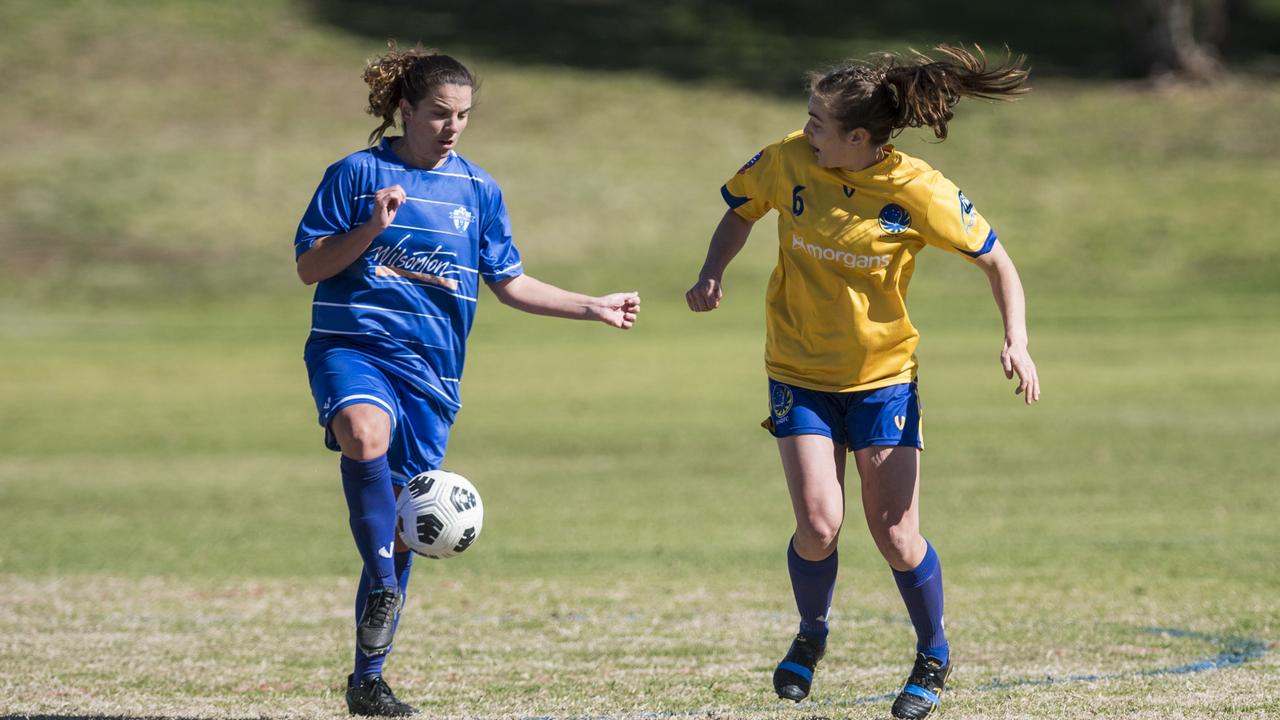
{"x":923,"y":689}
{"x":794,"y":674}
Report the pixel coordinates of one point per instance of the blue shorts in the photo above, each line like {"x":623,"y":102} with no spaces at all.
{"x":342,"y":376}
{"x":887,"y":416}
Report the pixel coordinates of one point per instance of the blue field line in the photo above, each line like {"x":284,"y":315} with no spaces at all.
{"x":1233,"y":651}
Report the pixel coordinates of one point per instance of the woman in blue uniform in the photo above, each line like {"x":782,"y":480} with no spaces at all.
{"x":853,"y":213}
{"x":397,"y":239}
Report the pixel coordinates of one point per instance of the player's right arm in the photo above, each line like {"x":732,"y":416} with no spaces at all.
{"x":332,"y":254}
{"x":728,"y":239}
{"x":749,"y":196}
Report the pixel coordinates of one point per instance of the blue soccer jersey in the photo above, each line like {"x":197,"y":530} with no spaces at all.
{"x":410,"y":299}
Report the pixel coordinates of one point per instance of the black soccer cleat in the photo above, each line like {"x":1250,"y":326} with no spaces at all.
{"x":923,"y":689}
{"x":373,"y":697}
{"x":794,"y":675}
{"x":378,"y":624}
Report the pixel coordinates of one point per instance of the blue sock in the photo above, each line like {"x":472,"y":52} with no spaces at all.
{"x":366,"y":666}
{"x":921,"y":590}
{"x":371,"y":503}
{"x":813,"y":584}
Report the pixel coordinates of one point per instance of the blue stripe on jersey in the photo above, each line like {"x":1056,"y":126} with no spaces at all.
{"x":410,"y":299}
{"x":733,"y":201}
{"x":986,"y":246}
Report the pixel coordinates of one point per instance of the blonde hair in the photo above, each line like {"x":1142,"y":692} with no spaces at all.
{"x":889,"y":93}
{"x":410,"y":75}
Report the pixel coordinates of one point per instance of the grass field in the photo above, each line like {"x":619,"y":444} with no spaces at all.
{"x":172,"y":534}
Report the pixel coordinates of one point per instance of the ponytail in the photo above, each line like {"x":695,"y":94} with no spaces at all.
{"x":892,"y":93}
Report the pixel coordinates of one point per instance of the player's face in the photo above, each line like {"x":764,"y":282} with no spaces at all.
{"x":433,"y":126}
{"x":834,"y":147}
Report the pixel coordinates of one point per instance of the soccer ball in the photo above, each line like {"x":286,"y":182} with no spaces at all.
{"x":439,"y":514}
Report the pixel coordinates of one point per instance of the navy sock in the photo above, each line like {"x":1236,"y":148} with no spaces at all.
{"x":921,"y":590}
{"x":371,"y":503}
{"x":813,"y":583}
{"x":366,"y":666}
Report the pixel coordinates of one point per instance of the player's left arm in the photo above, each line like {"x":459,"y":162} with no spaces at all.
{"x":1015,"y":358}
{"x":531,"y":295}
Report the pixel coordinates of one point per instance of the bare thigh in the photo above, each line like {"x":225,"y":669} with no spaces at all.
{"x":891,"y":502}
{"x":814,"y":468}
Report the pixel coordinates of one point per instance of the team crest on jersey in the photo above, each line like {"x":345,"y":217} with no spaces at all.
{"x":894,"y":219}
{"x":461,"y":218}
{"x":967,"y":216}
{"x":781,"y":400}
{"x":750,"y":162}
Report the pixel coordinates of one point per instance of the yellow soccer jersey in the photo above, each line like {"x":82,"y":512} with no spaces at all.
{"x":836,"y":306}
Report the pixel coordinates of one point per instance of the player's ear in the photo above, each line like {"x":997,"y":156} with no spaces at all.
{"x":858,"y":136}
{"x":405,"y":109}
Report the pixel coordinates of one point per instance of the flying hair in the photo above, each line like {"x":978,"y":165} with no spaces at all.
{"x":410,"y":75}
{"x":891,"y":92}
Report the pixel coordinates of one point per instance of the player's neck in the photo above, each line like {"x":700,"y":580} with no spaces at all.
{"x":404,"y":150}
{"x":872,"y":156}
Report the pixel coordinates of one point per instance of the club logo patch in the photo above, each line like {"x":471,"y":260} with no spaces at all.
{"x":782,"y":400}
{"x":894,"y":219}
{"x":968,"y":217}
{"x":461,"y":218}
{"x":750,"y":162}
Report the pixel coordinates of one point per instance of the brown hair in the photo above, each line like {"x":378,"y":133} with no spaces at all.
{"x":409,"y":74}
{"x":890,"y":93}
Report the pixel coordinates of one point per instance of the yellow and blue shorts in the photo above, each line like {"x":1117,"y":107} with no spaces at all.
{"x":887,"y":416}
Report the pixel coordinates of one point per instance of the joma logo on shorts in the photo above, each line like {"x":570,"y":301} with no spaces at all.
{"x":842,"y":257}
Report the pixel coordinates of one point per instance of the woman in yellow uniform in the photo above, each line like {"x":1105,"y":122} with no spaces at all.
{"x":853,"y":214}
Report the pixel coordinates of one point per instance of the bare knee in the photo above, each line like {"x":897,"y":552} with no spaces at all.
{"x":816,"y":536}
{"x":363,"y":431}
{"x":901,"y":546}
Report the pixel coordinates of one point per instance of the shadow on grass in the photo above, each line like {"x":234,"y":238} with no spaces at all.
{"x":768,"y":46}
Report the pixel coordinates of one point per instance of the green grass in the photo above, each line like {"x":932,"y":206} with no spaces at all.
{"x":631,"y":557}
{"x":172,"y":534}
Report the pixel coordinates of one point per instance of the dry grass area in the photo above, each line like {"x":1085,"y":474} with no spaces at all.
{"x":100,"y":646}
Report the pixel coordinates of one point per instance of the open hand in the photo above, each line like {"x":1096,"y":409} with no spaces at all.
{"x":1015,"y":359}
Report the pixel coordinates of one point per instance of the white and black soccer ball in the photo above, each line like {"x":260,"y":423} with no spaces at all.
{"x":439,"y":514}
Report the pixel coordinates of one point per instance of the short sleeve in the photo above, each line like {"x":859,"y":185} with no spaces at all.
{"x":499,"y":258}
{"x":750,"y":191}
{"x":332,"y":210}
{"x":953,"y":224}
